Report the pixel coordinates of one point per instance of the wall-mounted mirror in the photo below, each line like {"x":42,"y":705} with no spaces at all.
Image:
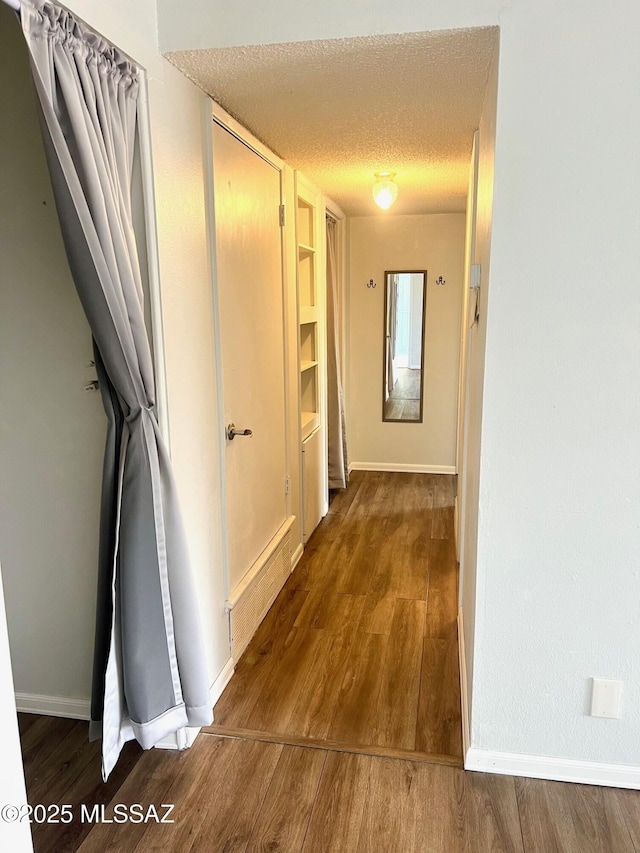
{"x":405,"y":299}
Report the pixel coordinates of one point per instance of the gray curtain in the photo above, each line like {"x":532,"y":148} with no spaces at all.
{"x":150,"y":674}
{"x":337,"y":434}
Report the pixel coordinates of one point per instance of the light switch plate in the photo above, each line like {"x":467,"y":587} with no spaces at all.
{"x":475,"y":276}
{"x":606,"y":696}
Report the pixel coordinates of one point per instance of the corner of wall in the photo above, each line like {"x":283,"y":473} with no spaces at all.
{"x":479,"y":242}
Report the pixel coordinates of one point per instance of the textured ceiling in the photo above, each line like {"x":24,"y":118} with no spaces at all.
{"x":340,"y":110}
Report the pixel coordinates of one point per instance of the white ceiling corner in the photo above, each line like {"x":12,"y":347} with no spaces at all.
{"x":339,"y":110}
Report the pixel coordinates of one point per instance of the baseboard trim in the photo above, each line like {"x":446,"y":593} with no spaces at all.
{"x":297,"y":554}
{"x":555,"y":769}
{"x":80,"y":709}
{"x":251,"y":598}
{"x":184,"y":738}
{"x":534,"y":766}
{"x":402,"y":468}
{"x":53,"y":706}
{"x":217,"y":688}
{"x":464,"y":688}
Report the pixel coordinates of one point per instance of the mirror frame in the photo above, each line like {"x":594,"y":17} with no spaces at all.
{"x":384,"y":343}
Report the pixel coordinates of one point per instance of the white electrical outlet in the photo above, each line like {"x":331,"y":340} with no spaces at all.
{"x":606,"y":696}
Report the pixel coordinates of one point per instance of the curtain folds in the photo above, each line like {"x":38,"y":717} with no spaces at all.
{"x":337,"y":434}
{"x":150,"y":674}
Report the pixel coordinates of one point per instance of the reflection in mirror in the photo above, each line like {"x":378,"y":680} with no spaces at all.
{"x":405,"y":296}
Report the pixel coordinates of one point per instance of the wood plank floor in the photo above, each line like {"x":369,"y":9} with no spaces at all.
{"x":360,"y":648}
{"x":240,"y":795}
{"x":61,"y":766}
{"x":356,"y":670}
{"x":234,"y":795}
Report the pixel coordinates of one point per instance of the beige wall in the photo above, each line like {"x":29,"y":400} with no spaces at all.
{"x":386,"y":242}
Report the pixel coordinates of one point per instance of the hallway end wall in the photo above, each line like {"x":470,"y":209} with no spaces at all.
{"x":433,"y":242}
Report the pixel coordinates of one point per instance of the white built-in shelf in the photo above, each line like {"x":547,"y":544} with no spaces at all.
{"x":310,"y":247}
{"x":310,"y":352}
{"x":308,"y":314}
{"x":309,"y":421}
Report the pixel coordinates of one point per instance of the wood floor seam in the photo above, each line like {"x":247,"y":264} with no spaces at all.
{"x":315,"y":799}
{"x":371,"y":750}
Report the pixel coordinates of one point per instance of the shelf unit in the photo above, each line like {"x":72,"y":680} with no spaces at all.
{"x":311,"y":351}
{"x":307,"y":237}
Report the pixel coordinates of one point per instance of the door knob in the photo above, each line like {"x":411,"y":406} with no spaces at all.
{"x":232,"y":432}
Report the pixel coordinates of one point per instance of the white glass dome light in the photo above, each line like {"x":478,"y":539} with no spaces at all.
{"x":385,"y":189}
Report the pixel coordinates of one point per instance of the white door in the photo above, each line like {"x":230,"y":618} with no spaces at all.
{"x":250,"y":306}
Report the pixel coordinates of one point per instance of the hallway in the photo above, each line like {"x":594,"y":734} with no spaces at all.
{"x":360,"y":648}
{"x":340,"y":731}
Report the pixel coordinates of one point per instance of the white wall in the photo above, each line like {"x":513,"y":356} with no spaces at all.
{"x":480,"y":253}
{"x":559,"y":522}
{"x":51,"y":431}
{"x":175,"y":111}
{"x":559,"y":488}
{"x":387,"y":242}
{"x":15,"y":836}
{"x":210,"y":25}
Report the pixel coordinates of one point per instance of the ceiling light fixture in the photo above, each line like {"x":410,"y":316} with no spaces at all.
{"x":385,"y":189}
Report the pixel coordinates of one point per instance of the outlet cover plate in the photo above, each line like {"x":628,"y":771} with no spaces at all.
{"x":606,"y":696}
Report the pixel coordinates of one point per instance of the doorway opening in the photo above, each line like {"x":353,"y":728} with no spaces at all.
{"x":302,"y":110}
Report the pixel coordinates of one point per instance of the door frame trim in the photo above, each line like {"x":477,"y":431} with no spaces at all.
{"x":466,"y":344}
{"x":153,"y":261}
{"x":222,"y":117}
{"x":210,"y":220}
